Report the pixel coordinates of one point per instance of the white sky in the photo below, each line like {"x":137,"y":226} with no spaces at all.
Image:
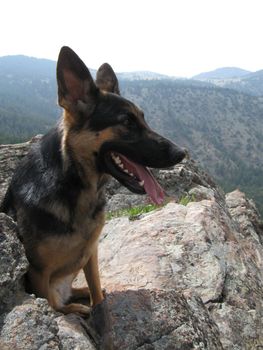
{"x":175,"y":37}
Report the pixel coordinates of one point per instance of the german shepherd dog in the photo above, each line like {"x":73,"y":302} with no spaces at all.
{"x":57,"y":191}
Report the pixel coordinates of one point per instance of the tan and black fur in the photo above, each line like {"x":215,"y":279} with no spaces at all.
{"x":57,"y":193}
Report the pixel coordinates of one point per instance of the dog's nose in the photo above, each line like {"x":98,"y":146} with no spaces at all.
{"x":177,"y":154}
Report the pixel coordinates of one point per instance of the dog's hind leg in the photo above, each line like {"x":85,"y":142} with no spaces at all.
{"x":91,"y":270}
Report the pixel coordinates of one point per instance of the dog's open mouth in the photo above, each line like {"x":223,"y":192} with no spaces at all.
{"x":135,"y":177}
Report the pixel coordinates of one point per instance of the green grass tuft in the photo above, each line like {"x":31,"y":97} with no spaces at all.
{"x":184,"y":200}
{"x":133,"y":212}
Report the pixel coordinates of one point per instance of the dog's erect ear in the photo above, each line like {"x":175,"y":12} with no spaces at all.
{"x":106,"y":79}
{"x":75,"y":83}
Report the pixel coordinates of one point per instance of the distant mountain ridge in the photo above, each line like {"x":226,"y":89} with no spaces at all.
{"x":143,"y":75}
{"x":231,"y":77}
{"x":27,"y":66}
{"x":250,"y":84}
{"x":222,"y":73}
{"x":235,"y":79}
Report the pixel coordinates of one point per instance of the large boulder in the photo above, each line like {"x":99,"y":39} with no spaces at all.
{"x":195,"y":249}
{"x":158,"y":319}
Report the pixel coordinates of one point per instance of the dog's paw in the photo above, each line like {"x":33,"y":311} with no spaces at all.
{"x":75,"y":308}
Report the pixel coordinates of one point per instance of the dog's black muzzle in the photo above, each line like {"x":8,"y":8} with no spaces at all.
{"x":176,"y":154}
{"x":152,"y":150}
{"x":158,"y":152}
{"x":128,"y":160}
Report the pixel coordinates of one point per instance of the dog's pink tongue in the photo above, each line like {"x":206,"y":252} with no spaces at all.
{"x":151,"y":186}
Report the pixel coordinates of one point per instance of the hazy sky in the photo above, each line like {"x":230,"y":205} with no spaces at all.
{"x":175,"y":37}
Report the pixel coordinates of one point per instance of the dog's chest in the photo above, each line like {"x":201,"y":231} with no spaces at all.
{"x":88,"y":214}
{"x":69,"y":244}
{"x":68,"y":253}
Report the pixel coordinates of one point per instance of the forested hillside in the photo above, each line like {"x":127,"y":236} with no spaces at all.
{"x":251,"y":84}
{"x":27,"y":97}
{"x":222,"y":128}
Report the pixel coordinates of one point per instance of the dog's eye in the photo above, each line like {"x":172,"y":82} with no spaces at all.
{"x":129,"y":121}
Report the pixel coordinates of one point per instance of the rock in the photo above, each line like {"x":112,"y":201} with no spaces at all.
{"x":30,"y":325}
{"x":245,"y":213}
{"x":162,"y":320}
{"x":199,"y":193}
{"x":72,"y":333}
{"x":166,"y":249}
{"x":122,"y":200}
{"x":34,"y":325}
{"x":13,"y":264}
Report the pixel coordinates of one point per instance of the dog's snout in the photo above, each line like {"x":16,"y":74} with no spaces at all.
{"x":177,"y":154}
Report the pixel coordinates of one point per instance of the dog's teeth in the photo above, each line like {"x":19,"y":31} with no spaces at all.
{"x":141,"y":183}
{"x":115,"y":158}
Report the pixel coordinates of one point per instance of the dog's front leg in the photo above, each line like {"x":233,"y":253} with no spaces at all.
{"x":91,"y":270}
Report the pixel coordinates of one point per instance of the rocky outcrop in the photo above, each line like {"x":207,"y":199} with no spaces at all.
{"x":181,"y":277}
{"x":195,"y":249}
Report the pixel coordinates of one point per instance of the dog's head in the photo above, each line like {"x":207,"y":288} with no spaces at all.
{"x":108,"y":133}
